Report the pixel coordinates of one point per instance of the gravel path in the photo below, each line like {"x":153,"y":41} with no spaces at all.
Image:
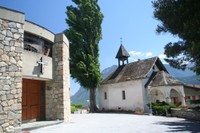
{"x":122,"y":123}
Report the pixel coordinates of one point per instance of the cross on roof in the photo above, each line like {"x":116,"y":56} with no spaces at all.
{"x":121,"y":40}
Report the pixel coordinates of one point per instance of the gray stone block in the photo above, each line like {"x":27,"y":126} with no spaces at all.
{"x":9,"y":33}
{"x":2,"y":37}
{"x":11,"y":115}
{"x":13,"y":68}
{"x":12,"y":24}
{"x":2,"y":64}
{"x":1,"y":129}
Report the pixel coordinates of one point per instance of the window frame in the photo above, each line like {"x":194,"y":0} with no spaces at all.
{"x":123,"y":95}
{"x":105,"y":96}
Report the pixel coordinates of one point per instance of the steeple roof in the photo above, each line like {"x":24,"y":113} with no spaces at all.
{"x":122,"y":53}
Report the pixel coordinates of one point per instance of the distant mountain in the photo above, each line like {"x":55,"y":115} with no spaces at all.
{"x":190,"y":79}
{"x":187,"y":76}
{"x":82,"y":95}
{"x":106,"y":72}
{"x":178,"y":72}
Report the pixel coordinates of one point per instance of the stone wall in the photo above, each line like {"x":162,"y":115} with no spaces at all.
{"x":57,"y":90}
{"x":186,"y":113}
{"x":11,"y":63}
{"x":11,"y":46}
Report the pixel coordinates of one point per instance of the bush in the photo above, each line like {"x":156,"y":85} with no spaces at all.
{"x":75,"y":107}
{"x":195,"y":101}
{"x":78,"y":106}
{"x":161,"y":108}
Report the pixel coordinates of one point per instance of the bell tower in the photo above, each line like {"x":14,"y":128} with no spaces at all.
{"x":122,"y":56}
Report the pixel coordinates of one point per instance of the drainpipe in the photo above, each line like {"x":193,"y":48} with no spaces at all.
{"x":150,"y":105}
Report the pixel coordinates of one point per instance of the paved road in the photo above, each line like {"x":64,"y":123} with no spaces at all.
{"x":122,"y":123}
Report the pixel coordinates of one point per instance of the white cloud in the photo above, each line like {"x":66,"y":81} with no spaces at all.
{"x":135,"y":53}
{"x":162,"y":56}
{"x":164,"y":62}
{"x":148,"y":54}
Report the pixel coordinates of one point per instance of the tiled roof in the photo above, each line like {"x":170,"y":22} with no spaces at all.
{"x":194,"y":86}
{"x":133,"y":71}
{"x":164,"y":79}
{"x":122,"y":52}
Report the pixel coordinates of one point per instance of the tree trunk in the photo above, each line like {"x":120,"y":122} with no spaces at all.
{"x":93,"y":107}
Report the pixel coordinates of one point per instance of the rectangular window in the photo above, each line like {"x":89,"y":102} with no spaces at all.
{"x":123,"y":95}
{"x":105,"y":95}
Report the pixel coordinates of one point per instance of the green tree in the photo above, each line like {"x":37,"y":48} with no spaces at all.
{"x":84,"y":33}
{"x":181,"y":18}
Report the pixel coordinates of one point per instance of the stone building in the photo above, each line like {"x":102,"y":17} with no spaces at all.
{"x":34,"y":72}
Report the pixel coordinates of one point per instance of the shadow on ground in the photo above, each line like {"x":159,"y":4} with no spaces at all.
{"x":183,"y":125}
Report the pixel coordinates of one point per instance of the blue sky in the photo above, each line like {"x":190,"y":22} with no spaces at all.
{"x":131,"y":20}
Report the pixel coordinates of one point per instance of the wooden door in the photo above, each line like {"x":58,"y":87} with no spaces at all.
{"x":31,"y":100}
{"x":175,"y":99}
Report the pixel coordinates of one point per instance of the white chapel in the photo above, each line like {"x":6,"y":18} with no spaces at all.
{"x":133,"y":85}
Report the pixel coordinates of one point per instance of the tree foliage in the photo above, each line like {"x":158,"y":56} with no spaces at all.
{"x":84,"y":33}
{"x":180,"y":18}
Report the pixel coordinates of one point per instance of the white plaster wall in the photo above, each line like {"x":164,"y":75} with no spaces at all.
{"x":11,"y":15}
{"x":161,"y":91}
{"x":191,"y":92}
{"x":103,"y":103}
{"x":134,"y":96}
{"x":31,"y":69}
{"x":38,"y":30}
{"x":166,"y":91}
{"x":179,"y":89}
{"x":145,"y":92}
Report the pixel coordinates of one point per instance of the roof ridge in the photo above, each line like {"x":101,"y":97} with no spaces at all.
{"x":143,"y":60}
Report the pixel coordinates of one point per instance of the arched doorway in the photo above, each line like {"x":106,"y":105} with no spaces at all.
{"x":175,"y":97}
{"x":156,"y":95}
